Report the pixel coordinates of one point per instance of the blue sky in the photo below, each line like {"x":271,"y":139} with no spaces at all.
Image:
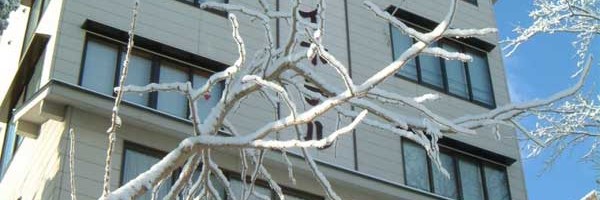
{"x":539,"y":68}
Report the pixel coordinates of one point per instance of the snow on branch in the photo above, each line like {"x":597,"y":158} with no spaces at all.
{"x":581,"y":18}
{"x":278,"y":73}
{"x":439,"y":52}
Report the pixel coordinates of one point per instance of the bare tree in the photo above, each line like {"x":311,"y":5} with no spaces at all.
{"x":575,"y":119}
{"x":279,"y":73}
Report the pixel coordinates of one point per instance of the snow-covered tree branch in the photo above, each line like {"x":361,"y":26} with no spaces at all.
{"x":572,"y":119}
{"x":279,"y":74}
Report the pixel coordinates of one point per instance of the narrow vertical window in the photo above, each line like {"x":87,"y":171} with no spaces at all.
{"x":443,"y":185}
{"x":139,"y":70}
{"x":11,"y":141}
{"x":99,"y":67}
{"x":172,"y":102}
{"x":496,"y":183}
{"x":457,"y":77}
{"x":471,"y":182}
{"x":431,"y":70}
{"x":209,"y":101}
{"x":35,"y":13}
{"x":400,"y":43}
{"x":416,"y":171}
{"x":480,"y":78}
{"x":135,"y":163}
{"x":34,"y":82}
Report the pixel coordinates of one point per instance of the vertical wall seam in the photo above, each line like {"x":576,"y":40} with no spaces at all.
{"x":349,"y":55}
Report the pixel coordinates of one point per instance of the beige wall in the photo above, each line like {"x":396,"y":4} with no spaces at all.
{"x":35,"y":171}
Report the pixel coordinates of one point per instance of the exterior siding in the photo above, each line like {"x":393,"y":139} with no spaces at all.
{"x":34,"y":172}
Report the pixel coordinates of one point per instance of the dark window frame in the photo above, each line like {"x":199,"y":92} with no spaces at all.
{"x":472,"y":2}
{"x":155,"y":58}
{"x":196,"y":4}
{"x":456,"y":156}
{"x":445,"y":88}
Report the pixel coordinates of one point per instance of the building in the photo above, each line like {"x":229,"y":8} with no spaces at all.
{"x":61,"y":66}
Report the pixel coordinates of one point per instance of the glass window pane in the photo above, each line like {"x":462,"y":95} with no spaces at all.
{"x":205,"y":105}
{"x":135,"y":164}
{"x":140,"y":68}
{"x":400,"y":43}
{"x":8,"y":148}
{"x":480,"y":78}
{"x":415,"y":166}
{"x":173,"y":103}
{"x":431,"y":70}
{"x":457,"y":78}
{"x":236,"y":186}
{"x":34,"y":82}
{"x":470,"y":179}
{"x":445,"y":186}
{"x":99,"y":67}
{"x":218,"y":186}
{"x":496,"y":183}
{"x":32,"y":23}
{"x":263,"y":191}
{"x":218,"y":1}
{"x":289,"y":197}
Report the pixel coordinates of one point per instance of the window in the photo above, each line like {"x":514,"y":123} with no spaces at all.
{"x":101,"y":71}
{"x":470,"y":81}
{"x":496,"y":183}
{"x":197,"y":3}
{"x":35,"y":15}
{"x":236,"y":186}
{"x":218,"y":1}
{"x":415,"y":166}
{"x":431,"y":70}
{"x":206,"y":104}
{"x":138,"y":159}
{"x":12,"y":142}
{"x":140,"y":69}
{"x":172,"y":102}
{"x":471,"y":182}
{"x":35,"y":80}
{"x":262,"y":188}
{"x":480,"y":78}
{"x":100,"y":66}
{"x":469,"y":178}
{"x":474,"y":2}
{"x":456,"y":72}
{"x":401,"y":42}
{"x":442,"y":185}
